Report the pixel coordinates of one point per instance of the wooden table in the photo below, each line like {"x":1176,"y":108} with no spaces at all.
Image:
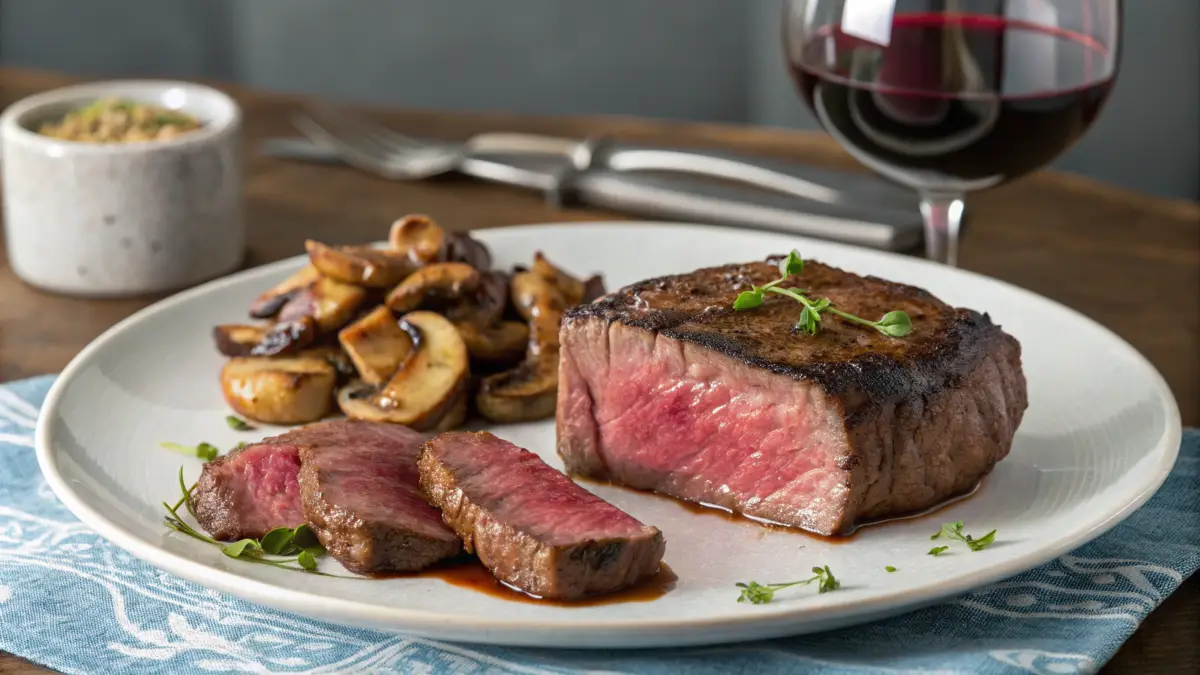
{"x":1128,"y":260}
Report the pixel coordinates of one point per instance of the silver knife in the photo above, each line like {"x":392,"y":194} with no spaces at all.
{"x":848,"y":207}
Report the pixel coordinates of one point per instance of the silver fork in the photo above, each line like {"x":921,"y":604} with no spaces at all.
{"x":371,"y":147}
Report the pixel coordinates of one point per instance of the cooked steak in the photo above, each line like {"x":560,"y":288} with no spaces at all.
{"x":360,"y":493}
{"x":249,"y":492}
{"x":529,"y":524}
{"x":664,"y":387}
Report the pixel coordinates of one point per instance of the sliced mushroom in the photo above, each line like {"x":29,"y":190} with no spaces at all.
{"x":419,"y":237}
{"x":287,"y":337}
{"x":270,"y":303}
{"x":462,"y":247}
{"x":526,"y":393}
{"x":532,"y":293}
{"x":503,"y":342}
{"x":336,"y":357}
{"x":290,"y":390}
{"x":277,"y":340}
{"x":529,"y":391}
{"x":572,"y":289}
{"x":439,"y":282}
{"x":428,"y":385}
{"x":454,"y":416}
{"x":486,"y":305}
{"x":329,"y":302}
{"x":360,"y":265}
{"x":593,"y":288}
{"x":377,"y":345}
{"x":234,"y":339}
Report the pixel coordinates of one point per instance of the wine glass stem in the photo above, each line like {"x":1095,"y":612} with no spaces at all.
{"x":942,"y":214}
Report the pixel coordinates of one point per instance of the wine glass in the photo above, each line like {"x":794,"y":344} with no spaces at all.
{"x":950,"y":96}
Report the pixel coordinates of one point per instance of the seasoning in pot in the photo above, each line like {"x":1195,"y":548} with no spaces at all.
{"x":112,"y":120}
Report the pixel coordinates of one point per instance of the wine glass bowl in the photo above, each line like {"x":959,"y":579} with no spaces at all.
{"x":952,"y":96}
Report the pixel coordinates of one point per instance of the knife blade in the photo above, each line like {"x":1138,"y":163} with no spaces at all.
{"x":867,"y":211}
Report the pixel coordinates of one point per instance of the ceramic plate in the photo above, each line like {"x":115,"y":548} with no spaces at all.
{"x":1100,"y":435}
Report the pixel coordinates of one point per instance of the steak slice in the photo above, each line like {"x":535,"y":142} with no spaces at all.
{"x":361,"y":495}
{"x":664,"y":387}
{"x":249,"y":492}
{"x":529,"y":524}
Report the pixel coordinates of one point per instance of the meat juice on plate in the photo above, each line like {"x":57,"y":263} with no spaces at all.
{"x":924,"y":108}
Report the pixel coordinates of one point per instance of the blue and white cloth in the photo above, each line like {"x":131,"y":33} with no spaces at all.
{"x":74,"y":602}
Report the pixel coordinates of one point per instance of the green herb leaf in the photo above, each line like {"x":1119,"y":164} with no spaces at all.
{"x":748,"y":300}
{"x":807,"y":322}
{"x":306,"y":560}
{"x":756,"y":593}
{"x":241,"y":547}
{"x":827,"y":582}
{"x":889,"y":568}
{"x":304,"y":537}
{"x":205,"y":451}
{"x":937,"y":550}
{"x":895,"y":324}
{"x":792,"y":264}
{"x":278,"y":541}
{"x":954,"y":531}
{"x":760,"y":594}
{"x":982,"y":542}
{"x":237,"y":423}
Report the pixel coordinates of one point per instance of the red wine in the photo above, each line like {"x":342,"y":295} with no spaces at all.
{"x":956,"y":102}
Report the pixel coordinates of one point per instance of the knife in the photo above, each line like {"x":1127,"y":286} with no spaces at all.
{"x":863,"y":210}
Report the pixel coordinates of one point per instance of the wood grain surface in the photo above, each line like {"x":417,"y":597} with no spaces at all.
{"x":1127,"y":260}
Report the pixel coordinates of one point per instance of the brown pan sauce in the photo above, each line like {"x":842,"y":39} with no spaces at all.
{"x":469,"y":573}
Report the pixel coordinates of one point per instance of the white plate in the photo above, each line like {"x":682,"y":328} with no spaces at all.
{"x":1101,"y":433}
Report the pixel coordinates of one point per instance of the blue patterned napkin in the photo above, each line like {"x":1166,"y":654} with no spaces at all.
{"x":74,"y":602}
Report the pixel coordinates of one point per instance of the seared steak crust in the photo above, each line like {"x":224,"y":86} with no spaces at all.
{"x":946,"y":343}
{"x":870,"y":426}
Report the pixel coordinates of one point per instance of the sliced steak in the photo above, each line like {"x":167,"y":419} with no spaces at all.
{"x":360,"y":493}
{"x":664,"y":387}
{"x":249,"y":492}
{"x":529,"y":524}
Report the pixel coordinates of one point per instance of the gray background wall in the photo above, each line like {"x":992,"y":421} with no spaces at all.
{"x":686,"y":59}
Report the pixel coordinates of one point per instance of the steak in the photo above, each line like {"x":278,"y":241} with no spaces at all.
{"x":249,"y":492}
{"x":360,"y":493}
{"x":529,"y":524}
{"x":664,"y":387}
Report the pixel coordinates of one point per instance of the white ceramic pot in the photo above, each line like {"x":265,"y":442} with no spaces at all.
{"x":123,"y":218}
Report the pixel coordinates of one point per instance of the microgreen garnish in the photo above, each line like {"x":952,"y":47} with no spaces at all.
{"x":892,"y":324}
{"x":760,"y":594}
{"x":889,"y":568}
{"x":955,"y":531}
{"x":238,"y":424}
{"x":205,"y":451}
{"x":937,"y":550}
{"x":289,"y":548}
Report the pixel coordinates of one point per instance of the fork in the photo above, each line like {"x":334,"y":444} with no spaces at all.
{"x":371,"y":147}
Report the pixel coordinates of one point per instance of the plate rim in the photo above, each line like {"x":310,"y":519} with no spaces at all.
{"x":620,"y":633}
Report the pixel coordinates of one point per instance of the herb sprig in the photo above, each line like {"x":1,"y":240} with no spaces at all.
{"x":285,"y":547}
{"x":892,"y":324}
{"x":760,"y":594}
{"x":954,"y":531}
